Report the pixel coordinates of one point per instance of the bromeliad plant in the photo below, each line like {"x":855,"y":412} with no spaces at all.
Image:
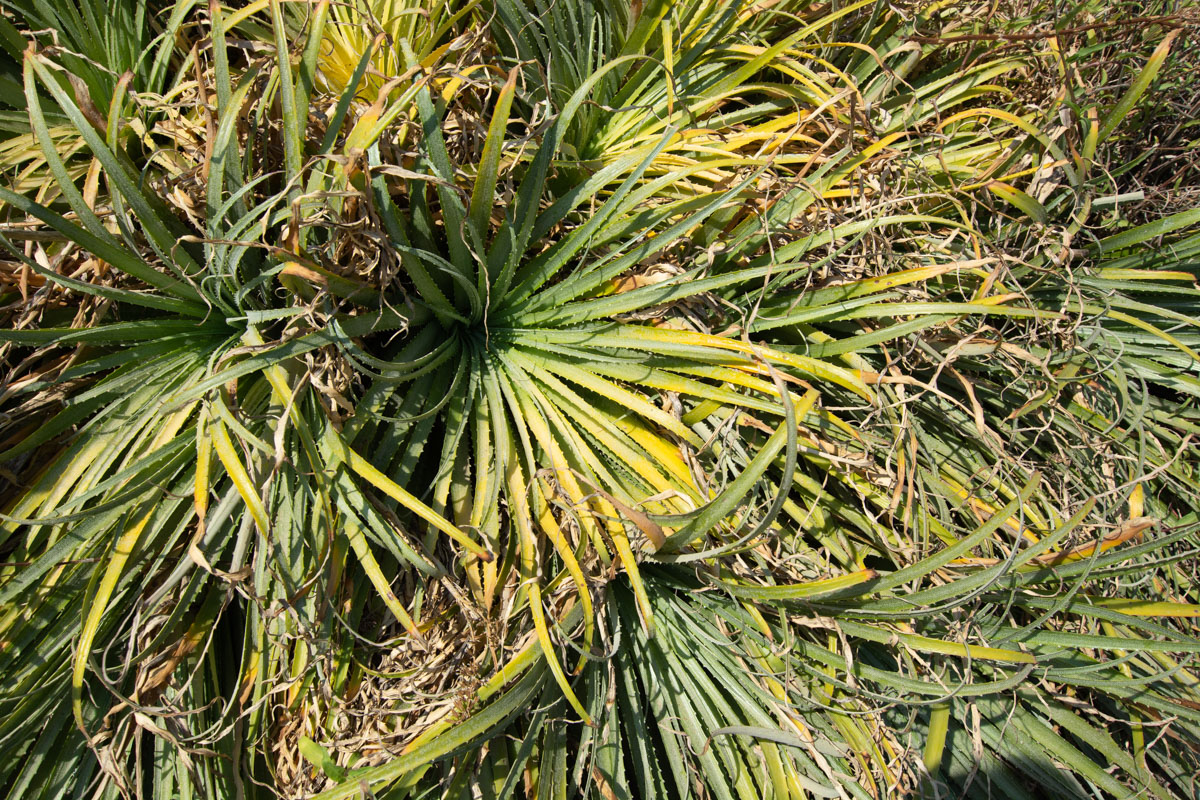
{"x":782,"y":84}
{"x":677,"y":413}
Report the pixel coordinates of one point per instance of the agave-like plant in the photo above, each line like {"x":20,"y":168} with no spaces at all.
{"x":584,"y":455}
{"x":374,"y":44}
{"x":741,"y":84}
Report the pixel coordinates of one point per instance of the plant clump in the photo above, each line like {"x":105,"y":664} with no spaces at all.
{"x":584,"y":399}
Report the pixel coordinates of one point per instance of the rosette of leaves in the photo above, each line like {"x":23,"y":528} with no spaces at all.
{"x":786,"y":84}
{"x":364,"y":42}
{"x":628,"y":446}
